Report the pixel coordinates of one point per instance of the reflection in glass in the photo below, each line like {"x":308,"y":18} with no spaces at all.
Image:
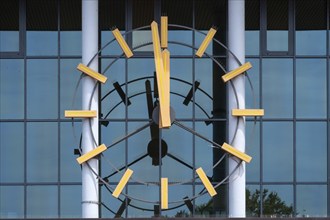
{"x":113,"y":48}
{"x":70,"y":43}
{"x":70,"y":203}
{"x":311,"y":147}
{"x":253,"y":206}
{"x":252,"y":95}
{"x":277,"y":40}
{"x":11,"y":146}
{"x":277,"y":151}
{"x":311,"y":88}
{"x":312,"y":200}
{"x":252,"y":42}
{"x":253,"y":149}
{"x":12,"y":202}
{"x":180,"y":36}
{"x":42,"y":139}
{"x":42,"y":202}
{"x":278,"y":201}
{"x":140,"y":38}
{"x":42,"y":89}
{"x":69,"y":76}
{"x":177,"y":193}
{"x":311,"y":42}
{"x":41,"y":43}
{"x":9,"y":41}
{"x":203,"y":149}
{"x":109,"y":202}
{"x":70,"y":169}
{"x":277,"y":87}
{"x":11,"y":88}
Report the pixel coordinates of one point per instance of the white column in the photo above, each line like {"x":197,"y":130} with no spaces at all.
{"x":236,"y":43}
{"x":90,"y":187}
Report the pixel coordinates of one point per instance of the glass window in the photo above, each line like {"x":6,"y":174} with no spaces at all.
{"x":253,"y":206}
{"x":113,"y":48}
{"x":252,"y":42}
{"x":277,"y":79}
{"x":70,"y":43}
{"x":9,"y":26}
{"x":42,"y":89}
{"x":277,"y":151}
{"x":70,"y":169}
{"x":277,"y":25}
{"x":177,"y":193}
{"x":70,"y":203}
{"x":253,"y":149}
{"x":12,"y":202}
{"x":278,"y":201}
{"x":311,"y":88}
{"x":252,"y":27}
{"x":109,"y":202}
{"x":204,"y":152}
{"x":11,"y":146}
{"x":311,"y":140}
{"x":11,"y":89}
{"x":42,"y":139}
{"x":252,"y":92}
{"x":311,"y":25}
{"x":42,"y":202}
{"x":312,"y":200}
{"x":42,"y":35}
{"x":181,"y":36}
{"x":69,"y":76}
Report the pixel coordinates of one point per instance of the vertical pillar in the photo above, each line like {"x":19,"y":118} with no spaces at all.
{"x":90,"y":186}
{"x":236,"y":43}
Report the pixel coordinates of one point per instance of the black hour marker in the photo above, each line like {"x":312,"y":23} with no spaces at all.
{"x":122,"y":207}
{"x":191,"y":92}
{"x":188,"y":203}
{"x":121,"y":93}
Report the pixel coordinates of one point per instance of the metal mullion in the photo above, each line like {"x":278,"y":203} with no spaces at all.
{"x":58,"y":111}
{"x":194,"y":116}
{"x":328,"y":110}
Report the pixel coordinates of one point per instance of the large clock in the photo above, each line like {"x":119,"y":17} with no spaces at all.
{"x":156,"y":153}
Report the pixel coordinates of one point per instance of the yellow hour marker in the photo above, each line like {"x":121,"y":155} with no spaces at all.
{"x":88,"y":71}
{"x":236,"y":153}
{"x":247,"y":112}
{"x":89,"y":155}
{"x":164,"y":193}
{"x":80,"y":114}
{"x":122,"y":183}
{"x":208,"y":185}
{"x":232,"y":74}
{"x":122,"y":43}
{"x":164,"y":32}
{"x":206,"y":42}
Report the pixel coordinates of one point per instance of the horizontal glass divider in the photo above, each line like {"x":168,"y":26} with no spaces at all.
{"x":286,"y":56}
{"x":41,"y":184}
{"x":292,"y":119}
{"x":180,"y":119}
{"x":40,"y":120}
{"x":286,"y":183}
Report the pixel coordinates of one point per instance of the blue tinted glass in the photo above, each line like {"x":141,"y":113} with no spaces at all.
{"x":42,"y":202}
{"x":177,"y":193}
{"x":203,"y":150}
{"x":252,"y":93}
{"x":70,"y":43}
{"x":253,"y":206}
{"x":70,"y":202}
{"x":109,"y":201}
{"x":9,"y":41}
{"x":180,"y":36}
{"x":277,"y":151}
{"x":199,"y":37}
{"x":273,"y":195}
{"x":311,"y":140}
{"x":12,"y":202}
{"x":111,"y":49}
{"x":11,"y":146}
{"x":312,"y":201}
{"x":11,"y":88}
{"x":311,"y":42}
{"x":253,"y":149}
{"x":41,"y":43}
{"x":252,"y":42}
{"x":70,"y":169}
{"x":277,"y":79}
{"x":69,"y":78}
{"x":311,"y":88}
{"x":140,"y":38}
{"x":42,"y":139}
{"x":42,"y":88}
{"x":277,"y":40}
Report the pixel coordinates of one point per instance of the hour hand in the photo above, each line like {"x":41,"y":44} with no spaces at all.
{"x":163,"y":86}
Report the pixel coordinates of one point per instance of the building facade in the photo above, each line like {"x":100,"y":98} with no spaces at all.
{"x":287,"y":43}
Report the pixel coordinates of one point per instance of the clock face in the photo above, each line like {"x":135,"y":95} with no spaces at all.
{"x":148,"y":144}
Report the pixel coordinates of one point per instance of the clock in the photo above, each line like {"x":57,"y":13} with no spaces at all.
{"x":161,"y":118}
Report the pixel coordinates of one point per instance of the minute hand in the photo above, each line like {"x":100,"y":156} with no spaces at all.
{"x":163,"y":91}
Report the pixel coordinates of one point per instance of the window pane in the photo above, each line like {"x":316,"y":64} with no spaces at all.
{"x":70,"y":43}
{"x":278,"y":201}
{"x":42,"y":139}
{"x":12,"y":202}
{"x":311,"y":42}
{"x":42,"y":202}
{"x":311,"y":88}
{"x":277,"y":151}
{"x":41,"y":43}
{"x":277,"y":25}
{"x":253,"y":149}
{"x":311,"y":140}
{"x":42,"y":83}
{"x":70,"y":169}
{"x":11,"y":146}
{"x":312,"y":200}
{"x":12,"y":89}
{"x":277,"y":88}
{"x":69,"y":79}
{"x":9,"y":26}
{"x":253,"y":206}
{"x":252,"y":42}
{"x":70,"y":202}
{"x":252,"y":95}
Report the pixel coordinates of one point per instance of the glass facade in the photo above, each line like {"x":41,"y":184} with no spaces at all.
{"x":40,"y":47}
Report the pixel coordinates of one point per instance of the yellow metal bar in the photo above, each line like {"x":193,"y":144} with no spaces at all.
{"x":91,"y":154}
{"x":88,"y":71}
{"x":164,"y":112}
{"x":236,"y":72}
{"x":122,"y":183}
{"x":247,"y":112}
{"x":121,"y":41}
{"x":164,"y":192}
{"x":166,"y":84}
{"x":236,"y":153}
{"x":163,"y":31}
{"x":206,"y":42}
{"x":208,"y":185}
{"x":80,"y":114}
